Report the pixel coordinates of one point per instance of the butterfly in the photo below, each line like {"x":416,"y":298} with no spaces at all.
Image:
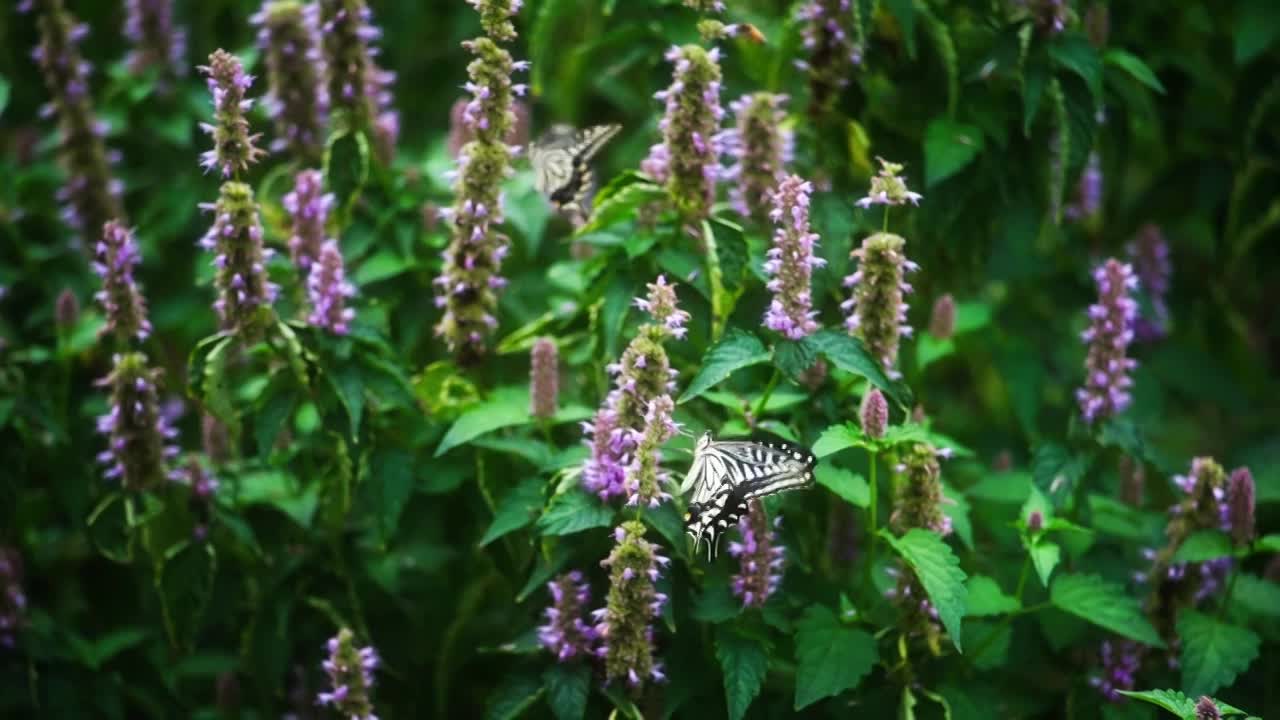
{"x":561,"y":164}
{"x":727,"y":474}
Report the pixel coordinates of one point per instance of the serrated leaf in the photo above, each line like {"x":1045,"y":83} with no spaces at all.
{"x":185,"y":583}
{"x":737,"y":350}
{"x":839,"y":437}
{"x":1045,"y":556}
{"x":1077,"y":54}
{"x":1112,"y":517}
{"x":938,"y":570}
{"x":849,"y":485}
{"x":794,"y":357}
{"x":1203,"y":545}
{"x":567,"y":689}
{"x":744,"y":662}
{"x":949,"y":147}
{"x":518,"y":509}
{"x":986,"y":598}
{"x":831,"y":657}
{"x":622,"y":204}
{"x":513,"y":697}
{"x":506,"y":407}
{"x":1213,"y":652}
{"x":1105,"y":604}
{"x":391,"y":472}
{"x":1134,"y":67}
{"x":574,"y":511}
{"x":849,"y":354}
{"x":1171,"y":700}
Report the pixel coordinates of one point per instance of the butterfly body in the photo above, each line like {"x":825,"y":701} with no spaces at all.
{"x":561,"y":161}
{"x":727,"y":475}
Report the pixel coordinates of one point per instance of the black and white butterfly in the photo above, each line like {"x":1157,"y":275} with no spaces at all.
{"x":728,"y":474}
{"x":561,"y":161}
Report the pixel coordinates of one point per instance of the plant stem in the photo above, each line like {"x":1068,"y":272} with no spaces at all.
{"x":1022,"y":577}
{"x":768,"y":391}
{"x":1231,"y":586}
{"x":872,"y":512}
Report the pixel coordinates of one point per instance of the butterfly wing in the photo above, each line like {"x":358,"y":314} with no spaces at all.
{"x":714,"y":518}
{"x":561,"y":162}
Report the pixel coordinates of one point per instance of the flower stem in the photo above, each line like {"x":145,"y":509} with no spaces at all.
{"x":768,"y":390}
{"x":1022,"y":577}
{"x":872,"y":511}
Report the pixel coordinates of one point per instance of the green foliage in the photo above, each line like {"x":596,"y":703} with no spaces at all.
{"x":830,"y":658}
{"x":1105,"y":604}
{"x":938,"y":570}
{"x":1213,"y":652}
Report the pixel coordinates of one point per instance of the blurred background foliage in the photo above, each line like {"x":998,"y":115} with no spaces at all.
{"x":1180,"y":101}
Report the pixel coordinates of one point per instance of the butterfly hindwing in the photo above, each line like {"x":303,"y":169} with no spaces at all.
{"x":561,"y":164}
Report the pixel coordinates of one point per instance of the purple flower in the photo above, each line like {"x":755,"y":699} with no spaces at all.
{"x":203,"y":488}
{"x":1149,"y":254}
{"x":90,"y":197}
{"x":350,"y":670}
{"x":1206,"y":506}
{"x":888,"y":188}
{"x":544,"y":378}
{"x":495,"y":17}
{"x":1240,"y":505}
{"x":761,"y":148}
{"x":233,"y":147}
{"x":308,"y":207}
{"x":461,"y":133}
{"x":359,"y":90}
{"x":645,"y":478}
{"x":1107,"y":366}
{"x":115,"y":258}
{"x":918,"y":503}
{"x":156,"y":43}
{"x":244,"y":293}
{"x":66,"y":310}
{"x":705,"y":6}
{"x":687,"y":158}
{"x":660,"y":303}
{"x":604,"y":472}
{"x":874,"y":413}
{"x":328,"y":290}
{"x":1207,"y":709}
{"x":298,"y":98}
{"x":566,"y":634}
{"x":139,"y":439}
{"x":13,"y":601}
{"x":1121,"y":661}
{"x":623,"y":624}
{"x":791,"y":261}
{"x":1088,"y":200}
{"x":942,"y":321}
{"x":876,"y":311}
{"x":467,"y":288}
{"x":1049,"y":16}
{"x":831,"y":45}
{"x":760,"y":558}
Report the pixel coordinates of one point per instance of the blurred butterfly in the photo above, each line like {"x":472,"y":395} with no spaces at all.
{"x":561,"y":164}
{"x":727,"y":474}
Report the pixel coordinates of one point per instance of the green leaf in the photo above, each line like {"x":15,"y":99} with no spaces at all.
{"x":839,"y":437}
{"x":1171,"y":700}
{"x":949,"y":147}
{"x":831,"y":657}
{"x":1213,"y":652}
{"x":108,"y":528}
{"x":114,"y":643}
{"x":281,"y":491}
{"x":5,"y":87}
{"x":515,"y":695}
{"x":930,"y":349}
{"x":847,"y":484}
{"x":349,"y":387}
{"x":383,"y":265}
{"x":621,"y":205}
{"x":1105,"y":604}
{"x":1267,"y":544}
{"x":391,"y":471}
{"x":506,"y":407}
{"x":1112,"y":517}
{"x":567,"y":688}
{"x":1203,"y":545}
{"x":1257,"y":25}
{"x":849,"y":354}
{"x":744,"y":662}
{"x":185,"y":583}
{"x":986,"y":598}
{"x":794,"y":357}
{"x":938,"y":570}
{"x":1256,"y":595}
{"x":716,"y":603}
{"x":1045,"y":556}
{"x":518,"y":509}
{"x":1056,"y":470}
{"x":737,"y":350}
{"x":1134,"y":66}
{"x":574,"y":511}
{"x":346,"y":168}
{"x":1076,"y":54}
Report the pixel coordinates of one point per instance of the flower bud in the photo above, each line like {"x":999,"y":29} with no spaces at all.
{"x":66,"y":310}
{"x":1240,"y":503}
{"x":874,"y":413}
{"x":544,"y":378}
{"x":942,"y":322}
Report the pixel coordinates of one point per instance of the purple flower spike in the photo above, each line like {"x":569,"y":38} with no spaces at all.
{"x":874,"y":413}
{"x":888,"y":188}
{"x":760,"y":558}
{"x":791,"y":261}
{"x":328,"y":291}
{"x":623,"y":627}
{"x":495,"y":17}
{"x":298,"y":98}
{"x":687,"y":158}
{"x":1088,"y":200}
{"x":1149,"y":253}
{"x":350,"y":671}
{"x":761,"y":148}
{"x":156,"y":43}
{"x":832,"y":47}
{"x":918,"y":503}
{"x":876,"y":310}
{"x":705,"y":6}
{"x":91,"y":197}
{"x":1107,"y":367}
{"x":645,"y":478}
{"x":942,"y":321}
{"x":1121,"y":661}
{"x":1240,"y":504}
{"x":115,"y":259}
{"x":308,"y":207}
{"x":139,"y":438}
{"x":234,"y":148}
{"x":605,"y":471}
{"x":244,"y":293}
{"x":13,"y":601}
{"x":544,"y":378}
{"x":359,"y":90}
{"x":566,"y":634}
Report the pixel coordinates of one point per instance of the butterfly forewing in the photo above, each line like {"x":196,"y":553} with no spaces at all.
{"x":561,"y":163}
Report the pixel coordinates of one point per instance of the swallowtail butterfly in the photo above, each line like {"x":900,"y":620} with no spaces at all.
{"x":561,"y":164}
{"x":726,"y":475}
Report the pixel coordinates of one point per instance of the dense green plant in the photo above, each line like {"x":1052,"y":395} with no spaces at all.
{"x":311,"y":407}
